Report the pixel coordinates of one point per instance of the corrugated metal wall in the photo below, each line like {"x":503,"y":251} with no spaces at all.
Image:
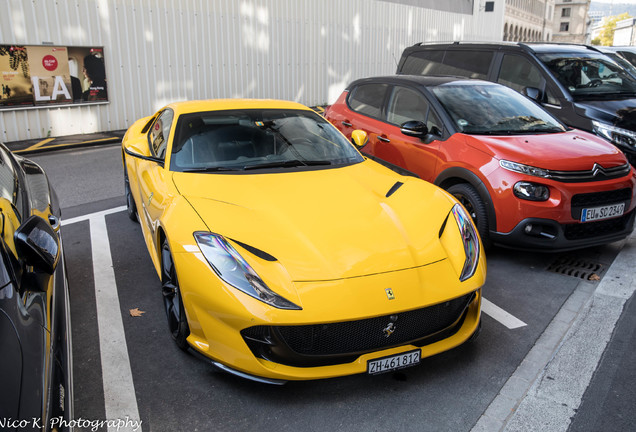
{"x":159,"y":51}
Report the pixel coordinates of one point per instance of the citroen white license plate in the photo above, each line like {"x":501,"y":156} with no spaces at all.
{"x":391,"y":363}
{"x":605,"y":212}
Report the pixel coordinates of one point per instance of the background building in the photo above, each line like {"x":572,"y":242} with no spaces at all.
{"x":156,"y":52}
{"x":595,"y":16}
{"x":528,"y":20}
{"x":625,"y":32}
{"x":571,"y":21}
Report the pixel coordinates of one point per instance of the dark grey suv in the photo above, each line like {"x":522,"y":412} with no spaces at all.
{"x":578,"y":84}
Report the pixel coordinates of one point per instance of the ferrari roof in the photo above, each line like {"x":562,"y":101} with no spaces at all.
{"x":230,"y":104}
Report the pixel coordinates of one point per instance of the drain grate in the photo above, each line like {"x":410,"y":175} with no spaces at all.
{"x":578,"y":268}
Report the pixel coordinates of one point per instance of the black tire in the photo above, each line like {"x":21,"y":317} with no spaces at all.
{"x":131,"y":207}
{"x":175,"y":312}
{"x":470,"y":199}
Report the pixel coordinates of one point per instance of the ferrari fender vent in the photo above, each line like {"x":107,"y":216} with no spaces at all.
{"x":259,"y":253}
{"x":342,"y":342}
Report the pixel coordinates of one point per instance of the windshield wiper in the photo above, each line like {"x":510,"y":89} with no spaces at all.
{"x":287,"y":164}
{"x":498,"y":132}
{"x":210,"y":169}
{"x":546,"y":130}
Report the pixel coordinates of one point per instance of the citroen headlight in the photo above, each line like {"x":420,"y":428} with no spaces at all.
{"x":470,"y":240}
{"x":230,"y":266}
{"x":614,"y":134}
{"x":524,"y":169}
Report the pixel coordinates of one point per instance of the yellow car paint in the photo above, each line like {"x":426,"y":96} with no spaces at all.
{"x":338,"y":241}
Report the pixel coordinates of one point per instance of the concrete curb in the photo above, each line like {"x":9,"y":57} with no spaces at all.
{"x":545,"y":391}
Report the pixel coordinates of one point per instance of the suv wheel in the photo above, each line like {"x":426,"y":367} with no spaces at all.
{"x":470,"y":199}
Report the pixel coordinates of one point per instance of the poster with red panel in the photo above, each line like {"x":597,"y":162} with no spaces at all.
{"x":50,"y":75}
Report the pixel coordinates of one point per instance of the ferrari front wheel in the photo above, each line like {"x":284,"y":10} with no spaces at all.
{"x":177,"y":322}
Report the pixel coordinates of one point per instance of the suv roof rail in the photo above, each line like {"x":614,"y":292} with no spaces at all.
{"x":591,"y":47}
{"x":525,"y":45}
{"x":464,"y":43}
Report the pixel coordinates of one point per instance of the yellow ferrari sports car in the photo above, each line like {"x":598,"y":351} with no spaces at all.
{"x":284,"y":254}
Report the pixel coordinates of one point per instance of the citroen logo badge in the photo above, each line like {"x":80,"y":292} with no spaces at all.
{"x":597,"y":169}
{"x":389,"y":293}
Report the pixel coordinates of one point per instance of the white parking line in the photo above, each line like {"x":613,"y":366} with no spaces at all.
{"x":93,"y":215}
{"x":500,"y":315}
{"x":119,"y":391}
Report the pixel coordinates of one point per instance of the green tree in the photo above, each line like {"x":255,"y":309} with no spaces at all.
{"x":606,"y":37}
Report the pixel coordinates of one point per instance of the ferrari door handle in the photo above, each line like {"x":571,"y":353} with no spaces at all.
{"x":346,"y":123}
{"x":383,"y":139}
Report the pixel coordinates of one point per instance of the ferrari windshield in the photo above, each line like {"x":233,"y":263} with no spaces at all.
{"x":242,"y":140}
{"x":590,"y":76}
{"x":483,"y":108}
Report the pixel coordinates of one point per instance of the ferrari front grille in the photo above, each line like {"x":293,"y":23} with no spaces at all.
{"x":340,"y":342}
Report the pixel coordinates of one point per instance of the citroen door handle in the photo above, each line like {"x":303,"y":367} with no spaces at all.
{"x":346,"y":123}
{"x":383,"y":139}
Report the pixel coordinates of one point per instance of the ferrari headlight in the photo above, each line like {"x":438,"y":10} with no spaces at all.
{"x":470,"y":240}
{"x":615,"y":135}
{"x":230,"y":266}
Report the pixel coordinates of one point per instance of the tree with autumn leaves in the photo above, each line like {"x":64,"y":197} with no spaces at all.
{"x":606,"y":37}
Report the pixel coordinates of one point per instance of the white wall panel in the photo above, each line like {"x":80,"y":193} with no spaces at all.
{"x":160,"y":51}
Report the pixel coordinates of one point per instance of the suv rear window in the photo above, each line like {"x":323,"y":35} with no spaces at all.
{"x":471,"y":64}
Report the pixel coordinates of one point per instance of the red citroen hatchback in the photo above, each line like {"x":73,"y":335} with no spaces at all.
{"x":528,"y":181}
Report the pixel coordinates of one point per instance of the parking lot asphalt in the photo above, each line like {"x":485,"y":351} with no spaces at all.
{"x":571,"y":366}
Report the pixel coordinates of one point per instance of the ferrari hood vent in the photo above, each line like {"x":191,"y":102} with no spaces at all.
{"x":394,"y":188}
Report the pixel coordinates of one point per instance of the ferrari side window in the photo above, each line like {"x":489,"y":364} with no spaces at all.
{"x":159,"y":133}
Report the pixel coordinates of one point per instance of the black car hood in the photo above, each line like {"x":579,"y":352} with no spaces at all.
{"x":619,"y":112}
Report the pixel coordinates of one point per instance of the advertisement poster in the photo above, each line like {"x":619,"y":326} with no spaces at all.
{"x":87,"y":65}
{"x":15,"y":79}
{"x":46,"y":75}
{"x":49,"y":74}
